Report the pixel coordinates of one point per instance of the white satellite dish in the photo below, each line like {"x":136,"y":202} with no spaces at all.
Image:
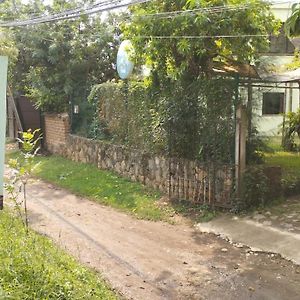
{"x":124,"y":64}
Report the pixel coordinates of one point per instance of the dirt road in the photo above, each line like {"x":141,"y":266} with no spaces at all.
{"x":147,"y":260}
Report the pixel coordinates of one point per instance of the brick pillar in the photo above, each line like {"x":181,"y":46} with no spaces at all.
{"x":57,"y":129}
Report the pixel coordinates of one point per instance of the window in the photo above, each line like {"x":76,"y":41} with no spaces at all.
{"x":273,"y":103}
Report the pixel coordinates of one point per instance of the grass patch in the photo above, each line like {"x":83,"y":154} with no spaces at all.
{"x":273,"y":143}
{"x":101,"y":186}
{"x":290,"y":164}
{"x":33,"y":268}
{"x":105,"y":187}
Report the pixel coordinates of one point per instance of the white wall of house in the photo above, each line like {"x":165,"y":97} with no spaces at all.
{"x":269,"y":124}
{"x":282,"y":10}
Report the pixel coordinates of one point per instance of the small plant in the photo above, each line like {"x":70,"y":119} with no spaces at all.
{"x":291,"y":130}
{"x":23,"y":167}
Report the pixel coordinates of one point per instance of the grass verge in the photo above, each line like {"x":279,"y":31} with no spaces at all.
{"x":33,"y":268}
{"x":107,"y":188}
{"x":104,"y":187}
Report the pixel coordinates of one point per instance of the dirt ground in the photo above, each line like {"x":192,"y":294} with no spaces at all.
{"x":148,"y":260}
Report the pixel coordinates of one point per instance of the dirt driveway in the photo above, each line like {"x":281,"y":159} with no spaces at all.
{"x":146,"y":260}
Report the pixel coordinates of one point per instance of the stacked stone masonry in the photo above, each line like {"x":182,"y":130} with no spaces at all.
{"x":180,"y":178}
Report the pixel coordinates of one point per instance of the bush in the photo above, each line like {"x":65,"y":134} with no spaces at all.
{"x":260,"y":186}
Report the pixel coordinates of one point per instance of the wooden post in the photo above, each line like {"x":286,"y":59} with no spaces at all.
{"x":240,"y":145}
{"x":3,"y":80}
{"x":249,"y":106}
{"x":10,"y":121}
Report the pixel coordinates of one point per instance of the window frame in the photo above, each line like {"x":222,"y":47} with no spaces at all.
{"x":265,"y":106}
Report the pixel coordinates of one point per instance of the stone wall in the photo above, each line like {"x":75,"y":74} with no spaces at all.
{"x":56,"y":131}
{"x":180,"y":178}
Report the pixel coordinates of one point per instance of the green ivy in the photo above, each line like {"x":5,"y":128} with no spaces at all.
{"x":194,"y":121}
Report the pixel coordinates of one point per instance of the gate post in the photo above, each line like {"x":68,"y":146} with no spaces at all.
{"x":3,"y":82}
{"x":240,"y":146}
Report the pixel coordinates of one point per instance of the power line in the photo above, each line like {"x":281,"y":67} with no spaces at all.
{"x":106,"y":5}
{"x":67,"y":14}
{"x":70,"y":14}
{"x":210,"y":9}
{"x":200,"y":36}
{"x":193,"y":11}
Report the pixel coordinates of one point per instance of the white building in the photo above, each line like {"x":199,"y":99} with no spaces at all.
{"x":272,"y":100}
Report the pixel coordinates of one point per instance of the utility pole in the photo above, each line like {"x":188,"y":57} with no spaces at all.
{"x":3,"y":82}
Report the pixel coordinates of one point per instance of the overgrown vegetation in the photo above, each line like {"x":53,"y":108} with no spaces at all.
{"x":290,"y":164}
{"x":33,"y":268}
{"x":58,"y":62}
{"x":291,"y":131}
{"x":185,"y":58}
{"x":181,"y":108}
{"x":184,"y":123}
{"x":255,"y":188}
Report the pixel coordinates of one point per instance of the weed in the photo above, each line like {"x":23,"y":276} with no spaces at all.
{"x":33,"y":268}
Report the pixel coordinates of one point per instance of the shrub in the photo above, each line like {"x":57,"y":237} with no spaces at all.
{"x":260,"y":186}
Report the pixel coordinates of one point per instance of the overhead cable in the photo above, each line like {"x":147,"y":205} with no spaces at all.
{"x":107,"y":5}
{"x":199,"y":36}
{"x":70,"y":14}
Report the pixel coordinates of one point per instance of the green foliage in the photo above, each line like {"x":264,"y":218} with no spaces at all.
{"x":255,"y":188}
{"x":291,"y":131}
{"x":290,"y":164}
{"x":58,"y":62}
{"x":188,"y":112}
{"x":256,"y":147}
{"x":109,"y":111}
{"x":295,"y":64}
{"x":33,"y":268}
{"x":23,"y":168}
{"x":193,"y":122}
{"x":174,"y":58}
{"x":9,"y":49}
{"x":292,"y":24}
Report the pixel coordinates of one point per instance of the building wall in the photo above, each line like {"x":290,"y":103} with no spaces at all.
{"x":281,"y":53}
{"x":269,"y":125}
{"x":282,"y":10}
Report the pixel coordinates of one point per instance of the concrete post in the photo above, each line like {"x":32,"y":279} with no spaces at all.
{"x":3,"y":83}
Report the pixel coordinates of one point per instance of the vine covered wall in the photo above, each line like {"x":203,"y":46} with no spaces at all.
{"x":192,"y":122}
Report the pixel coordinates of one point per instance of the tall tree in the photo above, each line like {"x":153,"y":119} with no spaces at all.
{"x":189,"y":30}
{"x":59,"y":62}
